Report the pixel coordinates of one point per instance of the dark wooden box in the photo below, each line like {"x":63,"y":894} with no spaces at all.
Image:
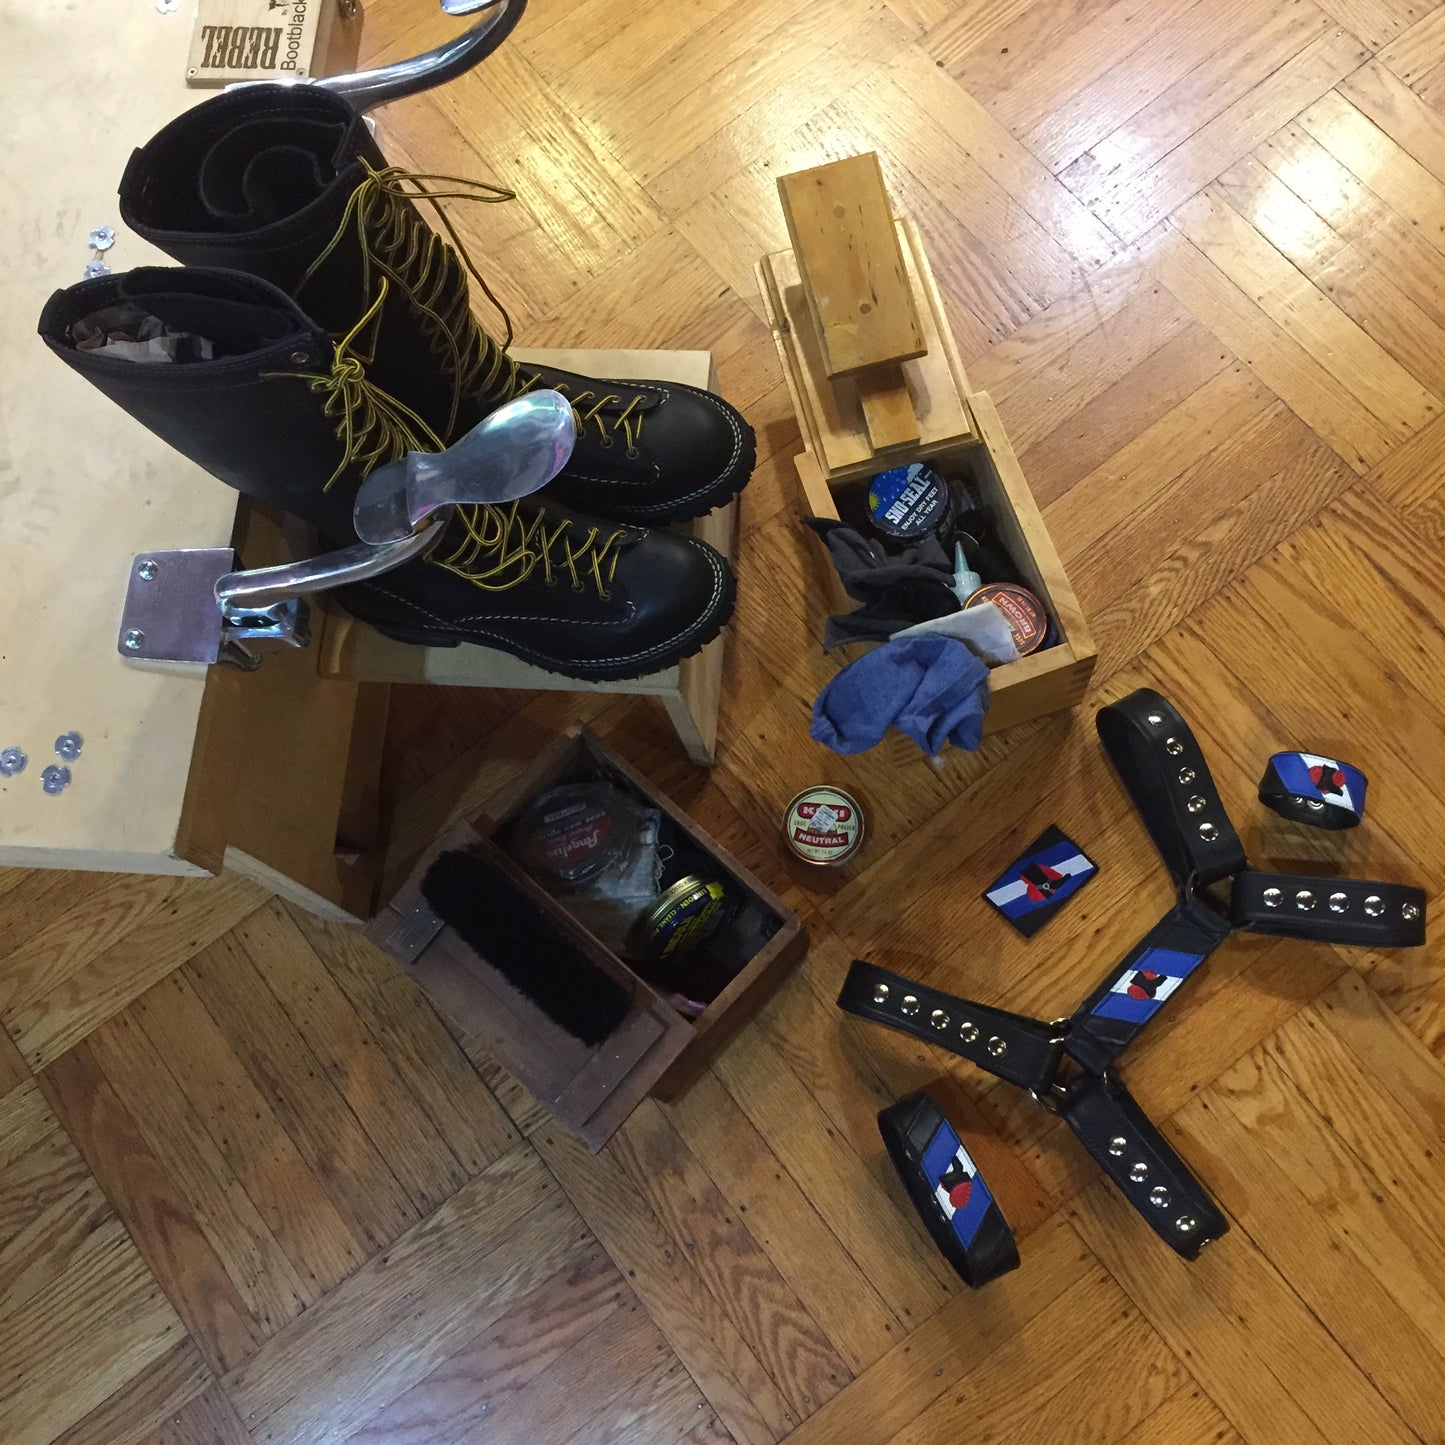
{"x":656,"y":1051}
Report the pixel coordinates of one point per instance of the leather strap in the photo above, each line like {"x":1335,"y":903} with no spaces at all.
{"x":1150,"y":973}
{"x":1021,"y":1050}
{"x":947,"y":1190}
{"x":1163,"y":770}
{"x":1137,"y":1157}
{"x":1312,"y":789}
{"x":1329,"y":910}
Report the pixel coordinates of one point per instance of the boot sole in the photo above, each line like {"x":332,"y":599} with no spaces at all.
{"x":689,"y":644}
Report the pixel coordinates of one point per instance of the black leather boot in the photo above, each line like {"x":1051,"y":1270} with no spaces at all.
{"x":284,"y":414}
{"x":287,"y":183}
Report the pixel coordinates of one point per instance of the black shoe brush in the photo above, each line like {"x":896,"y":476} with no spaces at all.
{"x":519,"y":938}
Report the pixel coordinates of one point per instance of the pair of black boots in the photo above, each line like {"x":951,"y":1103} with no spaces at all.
{"x":341,"y":337}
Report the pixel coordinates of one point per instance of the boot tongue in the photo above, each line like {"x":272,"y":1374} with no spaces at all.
{"x":267,"y":170}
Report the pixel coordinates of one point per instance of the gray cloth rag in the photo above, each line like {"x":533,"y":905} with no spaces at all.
{"x":931,"y":688}
{"x":916,"y":585}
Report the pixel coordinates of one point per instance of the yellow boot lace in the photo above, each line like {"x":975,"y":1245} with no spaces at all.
{"x":396,"y":243}
{"x":500,"y":547}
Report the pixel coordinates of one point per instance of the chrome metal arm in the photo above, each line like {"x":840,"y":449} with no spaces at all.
{"x":367,"y":89}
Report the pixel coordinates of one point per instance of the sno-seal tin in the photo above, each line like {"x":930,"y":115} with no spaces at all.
{"x":910,"y":503}
{"x":1024,"y":611}
{"x":824,"y":826}
{"x":684,"y":917}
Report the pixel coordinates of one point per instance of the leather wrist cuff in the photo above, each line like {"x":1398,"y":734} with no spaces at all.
{"x":1317,"y":791}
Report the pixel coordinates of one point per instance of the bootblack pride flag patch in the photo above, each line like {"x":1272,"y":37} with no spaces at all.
{"x":1030,"y":890}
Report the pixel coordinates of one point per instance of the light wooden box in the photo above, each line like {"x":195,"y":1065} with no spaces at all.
{"x":656,"y":1051}
{"x":960,"y":433}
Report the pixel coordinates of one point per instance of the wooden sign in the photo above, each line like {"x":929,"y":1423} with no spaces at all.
{"x":272,"y":40}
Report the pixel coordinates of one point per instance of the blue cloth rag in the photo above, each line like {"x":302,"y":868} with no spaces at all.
{"x":930,"y":687}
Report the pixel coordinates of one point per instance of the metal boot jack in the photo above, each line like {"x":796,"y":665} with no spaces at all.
{"x":194,"y":606}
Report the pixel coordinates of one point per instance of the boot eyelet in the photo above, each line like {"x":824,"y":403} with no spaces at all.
{"x":607,"y":441}
{"x":633,"y":454}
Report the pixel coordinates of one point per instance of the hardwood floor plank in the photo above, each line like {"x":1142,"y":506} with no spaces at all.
{"x":1377,"y":22}
{"x":1359,"y":437}
{"x":60,"y":1357}
{"x":1187,"y":1417}
{"x":483,"y":1382}
{"x":51,"y":1022}
{"x":1412,"y":473}
{"x":408,"y":1031}
{"x":360,"y":1069}
{"x":1306,"y":314}
{"x":1416,"y":54}
{"x":210,"y":1417}
{"x":693,"y":1322}
{"x":1132,"y":203}
{"x":152,"y":1396}
{"x":394,"y":1321}
{"x":279,"y":1060}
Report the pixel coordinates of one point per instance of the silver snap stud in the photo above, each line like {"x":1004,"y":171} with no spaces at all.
{"x":1139,"y":1172}
{"x":1156,"y":720}
{"x":1208,"y":832}
{"x":300,"y":358}
{"x":55,"y":779}
{"x":133,"y":640}
{"x":1339,"y":902}
{"x":1304,"y":900}
{"x":1117,"y":1145}
{"x":997,"y":1047}
{"x":968,"y":1033}
{"x":909,"y":1005}
{"x":12,"y":761}
{"x":1272,"y":897}
{"x":938,"y":1019}
{"x":1186,"y":776}
{"x":1173,"y":747}
{"x":1159,"y":1197}
{"x":1196,"y":804}
{"x":1314,"y":805}
{"x":1186,"y":1224}
{"x":880,"y":993}
{"x":68,"y":745}
{"x":146,"y":569}
{"x":1374,"y":905}
{"x":1409,"y":912}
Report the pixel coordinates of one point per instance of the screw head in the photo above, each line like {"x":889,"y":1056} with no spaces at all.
{"x":880,"y":993}
{"x":1117,"y":1145}
{"x":1159,"y":1197}
{"x":1186,"y":776}
{"x":1304,"y":900}
{"x":997,"y":1047}
{"x":68,"y":745}
{"x":1196,"y":804}
{"x":968,"y":1033}
{"x":55,"y":779}
{"x":1272,"y":897}
{"x":1374,"y":905}
{"x":1173,"y":747}
{"x":146,"y":569}
{"x":12,"y":761}
{"x":1208,"y":832}
{"x":1139,"y":1172}
{"x":133,"y":640}
{"x":1339,"y":902}
{"x":938,"y":1019}
{"x":1409,"y":912}
{"x":909,"y":1005}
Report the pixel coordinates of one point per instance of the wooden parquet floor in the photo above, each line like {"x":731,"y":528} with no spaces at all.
{"x":252,"y":1192}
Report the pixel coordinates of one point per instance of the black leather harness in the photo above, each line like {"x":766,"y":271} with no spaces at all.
{"x":1067,"y":1065}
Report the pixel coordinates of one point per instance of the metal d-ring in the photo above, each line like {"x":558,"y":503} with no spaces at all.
{"x":367,"y":89}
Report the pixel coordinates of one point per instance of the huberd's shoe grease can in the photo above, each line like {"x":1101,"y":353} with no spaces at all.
{"x":824,"y":826}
